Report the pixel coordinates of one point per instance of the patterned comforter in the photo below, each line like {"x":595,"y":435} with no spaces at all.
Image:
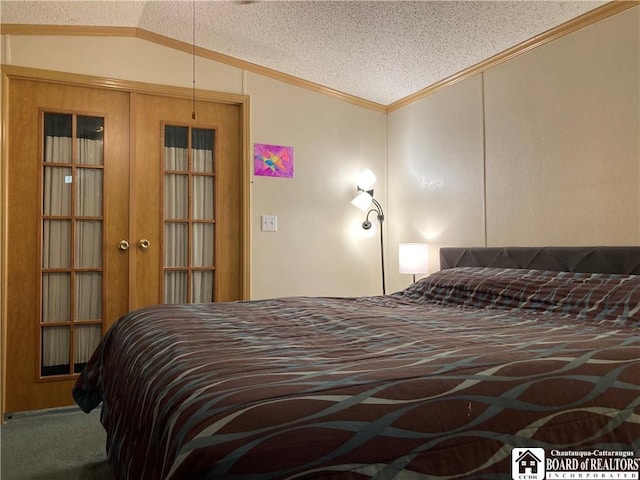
{"x":440,"y":380}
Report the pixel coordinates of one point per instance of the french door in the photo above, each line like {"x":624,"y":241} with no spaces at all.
{"x":116,"y":201}
{"x":190,"y":204}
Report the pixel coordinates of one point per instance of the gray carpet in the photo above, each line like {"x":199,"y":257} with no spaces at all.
{"x":58,"y":444}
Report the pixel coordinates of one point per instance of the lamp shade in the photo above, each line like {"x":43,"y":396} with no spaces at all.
{"x":413,"y":257}
{"x":366,"y":180}
{"x":362,"y":201}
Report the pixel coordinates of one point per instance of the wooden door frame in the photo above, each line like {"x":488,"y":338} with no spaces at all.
{"x":14,"y":72}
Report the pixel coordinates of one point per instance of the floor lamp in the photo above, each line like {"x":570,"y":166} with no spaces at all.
{"x":364,"y":201}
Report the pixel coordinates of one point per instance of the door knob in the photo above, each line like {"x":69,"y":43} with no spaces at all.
{"x":144,"y":244}
{"x":123,"y":245}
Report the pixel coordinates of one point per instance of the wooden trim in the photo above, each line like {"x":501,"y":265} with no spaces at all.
{"x":4,"y":189}
{"x":39,"y":242}
{"x":247,"y":154}
{"x":129,"y":86}
{"x":132,"y":233}
{"x":66,"y":30}
{"x":577,"y":23}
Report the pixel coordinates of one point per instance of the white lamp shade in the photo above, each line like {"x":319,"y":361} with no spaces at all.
{"x":362,"y":201}
{"x":413,"y":257}
{"x":366,"y":180}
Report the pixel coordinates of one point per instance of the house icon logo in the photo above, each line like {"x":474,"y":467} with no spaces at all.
{"x":527,"y":464}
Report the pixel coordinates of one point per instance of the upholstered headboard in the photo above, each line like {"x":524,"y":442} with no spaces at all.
{"x":570,"y":259}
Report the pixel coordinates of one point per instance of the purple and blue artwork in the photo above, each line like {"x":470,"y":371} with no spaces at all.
{"x":273,"y":160}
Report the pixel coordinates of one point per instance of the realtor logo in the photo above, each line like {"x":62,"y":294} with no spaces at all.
{"x":527,"y":464}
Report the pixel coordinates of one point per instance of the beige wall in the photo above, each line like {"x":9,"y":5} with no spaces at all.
{"x":318,"y":249}
{"x":120,"y":58}
{"x":543,"y":149}
{"x":436,"y":173}
{"x":562,"y":127}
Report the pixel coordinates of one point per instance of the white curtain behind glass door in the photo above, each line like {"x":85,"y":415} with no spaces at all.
{"x":56,"y":249}
{"x":188,"y":212}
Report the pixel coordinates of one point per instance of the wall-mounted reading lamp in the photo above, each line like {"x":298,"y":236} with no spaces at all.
{"x":365,"y":202}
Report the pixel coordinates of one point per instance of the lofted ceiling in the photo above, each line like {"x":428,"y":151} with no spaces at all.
{"x":380,"y":51}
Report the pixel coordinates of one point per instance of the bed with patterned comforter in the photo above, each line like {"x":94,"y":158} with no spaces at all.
{"x":441,"y":380}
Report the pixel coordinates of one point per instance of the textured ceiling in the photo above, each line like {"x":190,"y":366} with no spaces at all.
{"x":379,"y":51}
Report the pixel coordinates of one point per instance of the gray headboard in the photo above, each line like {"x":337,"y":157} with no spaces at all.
{"x":570,"y":259}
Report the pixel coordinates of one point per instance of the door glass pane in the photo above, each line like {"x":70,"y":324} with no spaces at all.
{"x":202,"y":203}
{"x":58,"y":131}
{"x":88,"y":296}
{"x":56,"y":244}
{"x":175,"y":287}
{"x":89,"y":141}
{"x":56,"y":297}
{"x":57,"y":191}
{"x":176,"y":245}
{"x":202,"y":287}
{"x":202,"y":150}
{"x":55,"y":351}
{"x":176,"y":144}
{"x":177,"y":159}
{"x":89,"y":196}
{"x":176,"y":196}
{"x":87,"y":338}
{"x":88,"y":244}
{"x":202,"y":245}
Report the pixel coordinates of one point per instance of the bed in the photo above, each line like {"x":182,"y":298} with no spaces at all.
{"x":502,"y":349}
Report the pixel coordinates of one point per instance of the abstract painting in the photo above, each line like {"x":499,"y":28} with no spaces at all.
{"x":273,"y":160}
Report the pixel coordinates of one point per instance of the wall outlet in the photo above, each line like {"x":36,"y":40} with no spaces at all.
{"x":269,"y":223}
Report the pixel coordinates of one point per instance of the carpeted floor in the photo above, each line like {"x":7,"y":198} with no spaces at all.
{"x":58,"y":444}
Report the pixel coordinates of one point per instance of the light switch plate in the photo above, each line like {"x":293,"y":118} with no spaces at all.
{"x":269,"y":223}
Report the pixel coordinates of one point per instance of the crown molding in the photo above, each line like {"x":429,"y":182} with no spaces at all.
{"x":66,"y":30}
